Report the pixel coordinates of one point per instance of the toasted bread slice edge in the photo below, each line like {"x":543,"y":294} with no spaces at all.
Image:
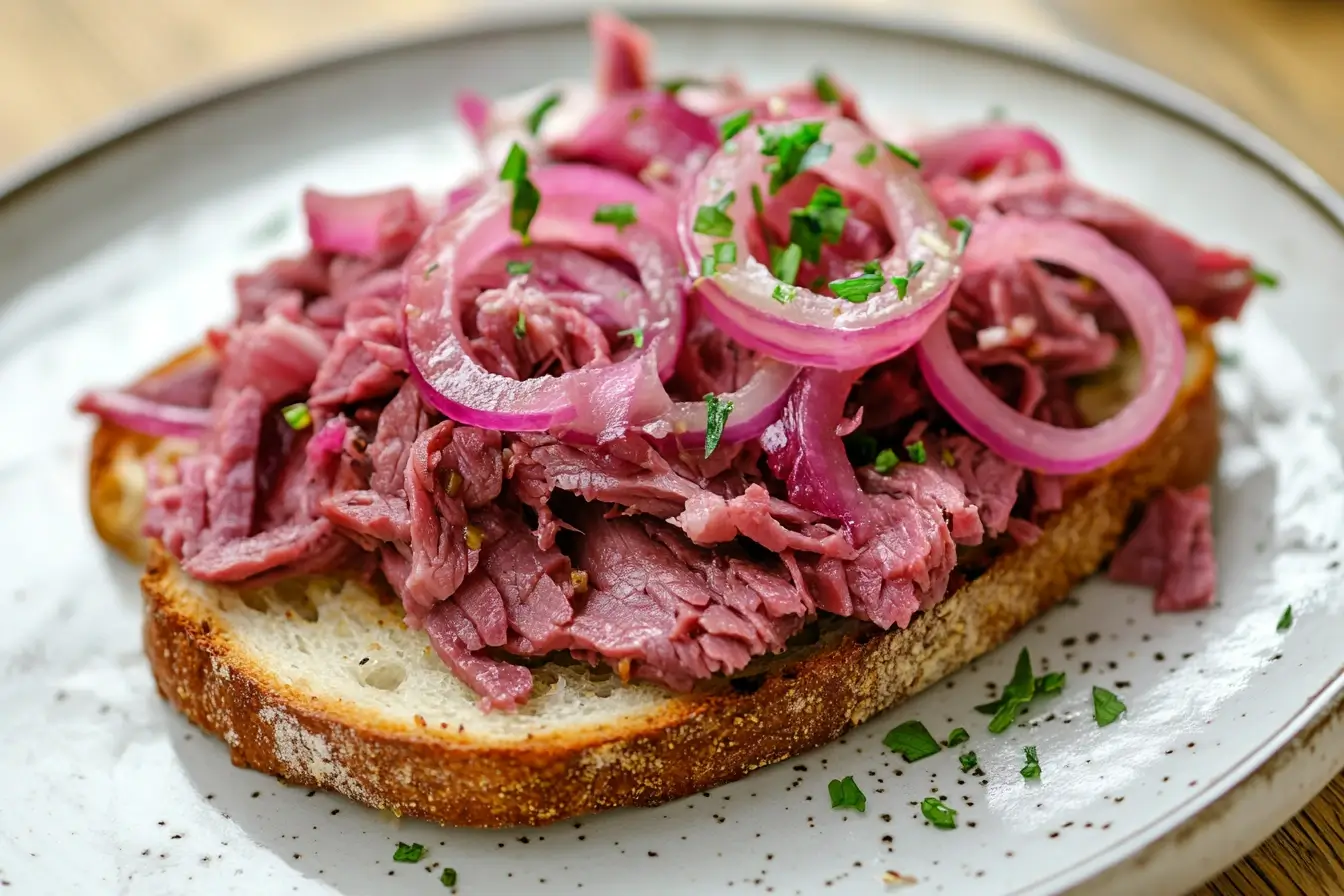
{"x":687,"y":743}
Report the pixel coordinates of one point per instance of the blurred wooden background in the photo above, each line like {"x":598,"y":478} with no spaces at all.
{"x":66,"y":64}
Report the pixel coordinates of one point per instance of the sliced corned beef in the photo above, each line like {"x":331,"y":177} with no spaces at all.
{"x":1172,"y":551}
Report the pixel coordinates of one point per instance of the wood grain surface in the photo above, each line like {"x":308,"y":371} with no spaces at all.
{"x":67,"y":64}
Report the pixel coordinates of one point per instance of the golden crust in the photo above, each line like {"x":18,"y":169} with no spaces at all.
{"x":691,"y":742}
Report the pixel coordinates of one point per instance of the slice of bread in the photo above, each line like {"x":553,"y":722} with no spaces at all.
{"x":318,"y":681}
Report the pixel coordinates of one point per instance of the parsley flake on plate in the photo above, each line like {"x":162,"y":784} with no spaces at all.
{"x":449,"y":877}
{"x":1286,"y":620}
{"x":845,"y":794}
{"x":1050,"y":683}
{"x":912,"y":740}
{"x":968,"y":761}
{"x":1265,"y":278}
{"x":1033,"y":767}
{"x":1017,"y":693}
{"x":1106,"y":707}
{"x":939,"y":814}
{"x":409,"y":852}
{"x":958,"y":736}
{"x":538,"y":113}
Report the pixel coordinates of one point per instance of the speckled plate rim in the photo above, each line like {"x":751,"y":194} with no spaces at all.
{"x":1206,"y":825}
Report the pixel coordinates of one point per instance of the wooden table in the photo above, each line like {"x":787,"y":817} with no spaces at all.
{"x":65,"y":64}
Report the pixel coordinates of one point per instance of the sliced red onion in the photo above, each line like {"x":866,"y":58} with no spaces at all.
{"x":977,"y":151}
{"x":755,"y":406}
{"x":622,"y":52}
{"x":146,"y":416}
{"x":814,"y":329}
{"x":474,"y":111}
{"x":1032,"y":443}
{"x":633,"y":131}
{"x":595,"y":401}
{"x":369,"y":226}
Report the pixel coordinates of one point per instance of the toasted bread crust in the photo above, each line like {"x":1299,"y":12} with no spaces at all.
{"x":691,"y":742}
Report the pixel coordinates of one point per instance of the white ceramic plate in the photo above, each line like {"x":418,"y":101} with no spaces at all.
{"x":122,"y":253}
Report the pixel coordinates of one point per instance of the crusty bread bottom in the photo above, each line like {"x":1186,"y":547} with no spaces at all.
{"x":323,"y":685}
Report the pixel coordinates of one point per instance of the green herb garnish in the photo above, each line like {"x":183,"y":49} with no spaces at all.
{"x":902,"y":153}
{"x":518,"y":268}
{"x":968,"y":761}
{"x":845,"y":794}
{"x":408,"y":852}
{"x":783,"y":294}
{"x":297,"y":416}
{"x":867,"y":155}
{"x":917,"y":452}
{"x":962,"y":225}
{"x":1286,"y":620}
{"x":958,"y":736}
{"x":520,"y":326}
{"x":1016,"y":694}
{"x":1050,"y":683}
{"x":1265,"y":278}
{"x":795,"y":149}
{"x":885,"y":461}
{"x":431,"y":268}
{"x":620,"y":214}
{"x":449,"y":877}
{"x":733,"y":125}
{"x":716,"y":415}
{"x":912,"y":740}
{"x":674,"y":86}
{"x":526,"y":198}
{"x":939,"y":814}
{"x":1106,"y":707}
{"x":825,"y":88}
{"x":822,"y":220}
{"x":534,"y":118}
{"x":784,"y":262}
{"x":515,"y":164}
{"x":1033,"y":767}
{"x":857,"y":289}
{"x":902,"y":284}
{"x":713,"y":220}
{"x":636,"y":335}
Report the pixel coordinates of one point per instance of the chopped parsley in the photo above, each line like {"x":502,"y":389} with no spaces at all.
{"x":297,"y":416}
{"x":958,"y":736}
{"x":912,"y":740}
{"x":734,"y":124}
{"x":901,"y":152}
{"x":724,"y":253}
{"x":1286,"y":620}
{"x":902,"y":284}
{"x":822,"y":220}
{"x":1265,"y":278}
{"x":433,"y":266}
{"x":783,"y":294}
{"x":845,"y":794}
{"x":757,"y":201}
{"x":968,"y":761}
{"x":938,"y":813}
{"x":795,"y":149}
{"x":409,"y":852}
{"x":449,"y":877}
{"x":1106,"y":707}
{"x":636,"y":335}
{"x":917,"y":452}
{"x":1050,"y":683}
{"x":857,"y":289}
{"x":538,"y":113}
{"x":962,"y":225}
{"x":784,"y":263}
{"x":520,"y":326}
{"x":1033,"y":767}
{"x":526,"y":198}
{"x":716,"y":415}
{"x":713,"y":220}
{"x":885,"y":461}
{"x":620,"y":214}
{"x":867,"y":155}
{"x":518,"y":268}
{"x":825,"y":88}
{"x":1016,"y":695}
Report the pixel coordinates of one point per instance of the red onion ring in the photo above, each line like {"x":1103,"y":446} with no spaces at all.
{"x":755,"y":406}
{"x":980,"y":150}
{"x":814,"y":329}
{"x":146,"y":416}
{"x":1030,"y":442}
{"x":600,"y":402}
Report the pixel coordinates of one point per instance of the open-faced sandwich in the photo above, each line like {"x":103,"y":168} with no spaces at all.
{"x":698,"y":427}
